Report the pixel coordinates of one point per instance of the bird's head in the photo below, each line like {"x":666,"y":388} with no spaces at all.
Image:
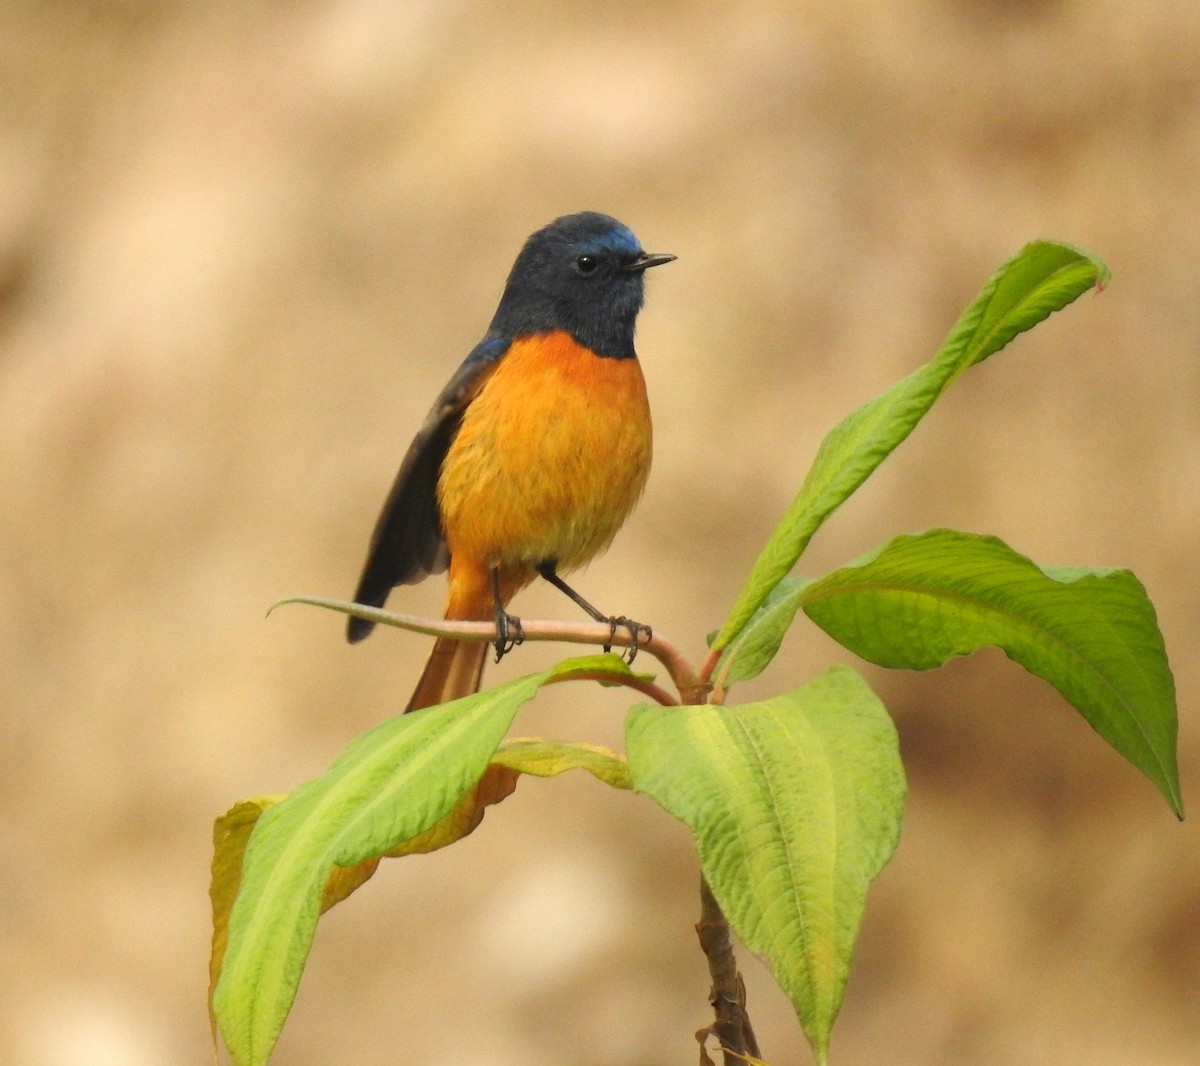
{"x":582,"y":273}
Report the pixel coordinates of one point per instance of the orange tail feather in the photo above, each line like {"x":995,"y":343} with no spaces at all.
{"x":454,"y":669}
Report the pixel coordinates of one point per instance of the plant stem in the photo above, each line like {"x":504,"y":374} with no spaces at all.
{"x":728,"y":994}
{"x":691,"y":689}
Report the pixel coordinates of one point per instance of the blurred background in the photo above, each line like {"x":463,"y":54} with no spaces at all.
{"x":243,"y":244}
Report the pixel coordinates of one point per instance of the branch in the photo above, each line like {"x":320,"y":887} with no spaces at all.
{"x":691,"y":690}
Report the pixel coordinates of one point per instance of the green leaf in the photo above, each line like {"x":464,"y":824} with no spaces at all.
{"x":607,"y":668}
{"x":391,"y":784}
{"x":1042,"y":278}
{"x":1091,"y":633}
{"x":751,"y":651}
{"x":795,"y":806}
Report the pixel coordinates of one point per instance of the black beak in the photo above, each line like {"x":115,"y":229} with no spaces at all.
{"x":646,"y":260}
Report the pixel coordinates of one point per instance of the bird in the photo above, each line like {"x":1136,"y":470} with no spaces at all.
{"x":534,"y":453}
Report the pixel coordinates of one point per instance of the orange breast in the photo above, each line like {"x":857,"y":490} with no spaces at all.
{"x":551,"y":457}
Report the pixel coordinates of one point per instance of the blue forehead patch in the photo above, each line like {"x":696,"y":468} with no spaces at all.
{"x":619,"y":238}
{"x":590,"y":229}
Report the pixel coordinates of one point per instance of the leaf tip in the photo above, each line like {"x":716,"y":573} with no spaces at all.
{"x":1175,"y":799}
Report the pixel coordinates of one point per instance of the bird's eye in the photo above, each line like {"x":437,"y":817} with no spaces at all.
{"x":586,"y":264}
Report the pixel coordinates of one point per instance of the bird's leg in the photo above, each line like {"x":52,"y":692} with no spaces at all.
{"x":509,"y":632}
{"x":636,"y":629}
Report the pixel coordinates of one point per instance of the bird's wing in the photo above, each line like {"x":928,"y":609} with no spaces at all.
{"x":408,"y":544}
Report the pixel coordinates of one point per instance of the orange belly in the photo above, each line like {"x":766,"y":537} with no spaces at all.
{"x":551,"y":457}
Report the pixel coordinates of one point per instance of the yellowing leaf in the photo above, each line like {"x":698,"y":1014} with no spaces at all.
{"x":230,"y":833}
{"x":413,"y":783}
{"x":549,"y":758}
{"x":497,"y":783}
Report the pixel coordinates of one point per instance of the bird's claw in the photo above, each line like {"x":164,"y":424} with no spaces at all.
{"x":509,"y":633}
{"x":636,"y":629}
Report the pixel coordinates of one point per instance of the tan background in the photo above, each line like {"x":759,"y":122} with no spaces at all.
{"x":242,"y":244}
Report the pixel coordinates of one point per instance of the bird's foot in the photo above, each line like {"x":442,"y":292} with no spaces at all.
{"x":636,"y":631}
{"x":509,"y":633}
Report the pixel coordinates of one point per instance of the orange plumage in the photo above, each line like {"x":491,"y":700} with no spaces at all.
{"x":511,"y":498}
{"x":551,"y":457}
